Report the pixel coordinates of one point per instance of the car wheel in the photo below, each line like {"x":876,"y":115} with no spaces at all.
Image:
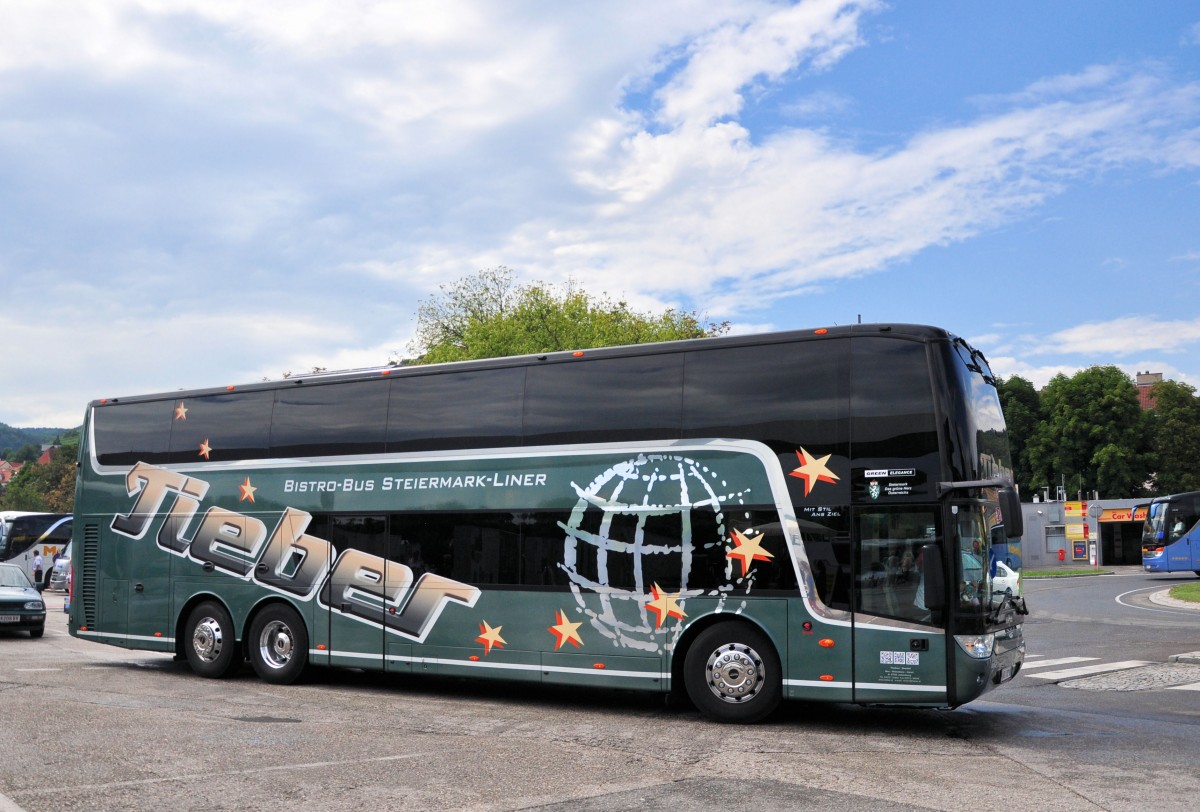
{"x":211,"y":645}
{"x":732,"y":673}
{"x":278,"y":645}
{"x":35,"y":633}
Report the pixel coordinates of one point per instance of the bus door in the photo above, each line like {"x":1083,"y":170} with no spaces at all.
{"x":355,"y":596}
{"x":900,"y":645}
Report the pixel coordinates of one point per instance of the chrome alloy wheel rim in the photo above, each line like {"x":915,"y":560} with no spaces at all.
{"x":276,"y":644}
{"x":735,"y":672}
{"x":208,"y":639}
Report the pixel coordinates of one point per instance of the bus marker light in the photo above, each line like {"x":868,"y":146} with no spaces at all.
{"x":827,"y":643}
{"x":598,"y":665}
{"x":385,"y":372}
{"x":474,"y":658}
{"x":320,"y":646}
{"x":822,"y":331}
{"x":229,"y":388}
{"x":577,"y":354}
{"x":827,"y":677}
{"x":807,"y":626}
{"x":158,"y":634}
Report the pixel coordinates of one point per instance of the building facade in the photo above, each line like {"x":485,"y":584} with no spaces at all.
{"x":1073,"y":534}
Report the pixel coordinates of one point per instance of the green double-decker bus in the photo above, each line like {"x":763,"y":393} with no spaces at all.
{"x":801,"y":515}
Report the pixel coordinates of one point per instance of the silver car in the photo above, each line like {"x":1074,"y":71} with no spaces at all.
{"x":60,"y":573}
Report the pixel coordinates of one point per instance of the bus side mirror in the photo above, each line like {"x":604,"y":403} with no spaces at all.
{"x":934,"y":576}
{"x":1010,"y":511}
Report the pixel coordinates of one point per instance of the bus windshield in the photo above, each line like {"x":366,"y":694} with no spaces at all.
{"x":1171,"y":534}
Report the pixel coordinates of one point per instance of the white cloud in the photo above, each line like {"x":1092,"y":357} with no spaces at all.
{"x":1191,"y":36}
{"x":1124,"y":336}
{"x":1006,"y":366}
{"x":298,"y":174}
{"x":721,"y":63}
{"x":750,"y":223}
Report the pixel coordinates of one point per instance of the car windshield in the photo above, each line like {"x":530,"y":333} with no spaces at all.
{"x":13,"y":576}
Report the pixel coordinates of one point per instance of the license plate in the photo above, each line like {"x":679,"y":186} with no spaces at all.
{"x":1006,"y":674}
{"x":10,"y":618}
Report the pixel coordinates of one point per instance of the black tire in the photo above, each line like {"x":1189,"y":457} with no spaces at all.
{"x":211,"y":642}
{"x":732,"y":673}
{"x":278,"y":645}
{"x":36,"y":633}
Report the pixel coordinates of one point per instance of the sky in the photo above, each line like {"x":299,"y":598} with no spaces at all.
{"x":210,"y":192}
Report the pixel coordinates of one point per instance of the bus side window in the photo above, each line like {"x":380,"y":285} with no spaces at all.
{"x":826,"y":534}
{"x":1182,"y":517}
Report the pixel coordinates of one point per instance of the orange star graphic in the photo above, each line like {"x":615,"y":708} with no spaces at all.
{"x":181,"y":411}
{"x":747,"y":550}
{"x":565,"y":632}
{"x":247,"y":491}
{"x":205,"y":448}
{"x":665,"y":605}
{"x":489,"y":637}
{"x":813,"y":470}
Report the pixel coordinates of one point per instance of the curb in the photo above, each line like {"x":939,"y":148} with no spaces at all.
{"x":1163,"y":598}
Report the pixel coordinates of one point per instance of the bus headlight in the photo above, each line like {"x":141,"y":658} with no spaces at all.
{"x":979,"y":646}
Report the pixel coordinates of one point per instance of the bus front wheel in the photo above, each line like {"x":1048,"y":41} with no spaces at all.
{"x":278,"y":646}
{"x":211,"y":646}
{"x":732,"y":673}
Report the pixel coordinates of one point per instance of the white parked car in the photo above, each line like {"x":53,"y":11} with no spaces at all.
{"x":60,"y":575}
{"x":1006,"y":581}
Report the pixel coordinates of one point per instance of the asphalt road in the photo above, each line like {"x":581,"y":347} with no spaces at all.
{"x":86,"y":726}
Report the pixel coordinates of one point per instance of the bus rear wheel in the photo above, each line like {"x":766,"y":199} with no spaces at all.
{"x":278,"y":646}
{"x":211,"y":646}
{"x":732,"y":674}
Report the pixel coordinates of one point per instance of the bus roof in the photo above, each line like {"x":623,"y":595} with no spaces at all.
{"x":916,"y":332}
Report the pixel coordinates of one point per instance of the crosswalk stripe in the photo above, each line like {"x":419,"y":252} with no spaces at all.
{"x":1195,"y":686}
{"x":1060,"y":661}
{"x":1085,"y":670}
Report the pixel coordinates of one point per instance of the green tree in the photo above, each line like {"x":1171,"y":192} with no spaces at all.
{"x":1175,"y":437}
{"x":49,"y":487}
{"x":1022,"y":408}
{"x":29,"y":452}
{"x":488,"y":315}
{"x":1092,"y":435}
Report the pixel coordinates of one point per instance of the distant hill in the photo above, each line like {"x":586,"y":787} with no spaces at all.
{"x":11,"y":439}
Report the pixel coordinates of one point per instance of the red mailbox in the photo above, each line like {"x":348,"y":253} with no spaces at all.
{"x":1062,"y":555}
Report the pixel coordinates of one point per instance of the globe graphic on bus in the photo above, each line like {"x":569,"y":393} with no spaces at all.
{"x":637,"y":523}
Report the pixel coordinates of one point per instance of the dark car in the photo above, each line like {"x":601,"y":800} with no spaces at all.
{"x":21,"y":604}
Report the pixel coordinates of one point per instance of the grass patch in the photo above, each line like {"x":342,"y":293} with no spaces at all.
{"x":1186,"y":592}
{"x":1064,"y":573}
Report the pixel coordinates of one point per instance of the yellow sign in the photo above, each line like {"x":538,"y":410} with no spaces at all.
{"x":1074,"y":509}
{"x":1076,"y":532}
{"x":1117,"y":515}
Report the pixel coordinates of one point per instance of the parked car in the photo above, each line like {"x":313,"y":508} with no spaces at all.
{"x":1006,"y":581}
{"x":60,"y":574}
{"x":21,"y":604}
